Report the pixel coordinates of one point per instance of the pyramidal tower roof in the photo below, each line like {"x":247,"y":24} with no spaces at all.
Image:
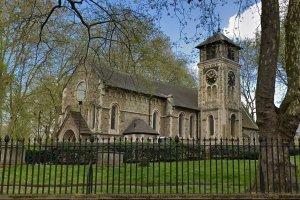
{"x":217,"y":37}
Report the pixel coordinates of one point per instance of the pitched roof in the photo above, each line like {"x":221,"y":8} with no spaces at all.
{"x":215,"y":38}
{"x":84,"y":129}
{"x":139,"y":126}
{"x":248,"y":121}
{"x":183,"y":97}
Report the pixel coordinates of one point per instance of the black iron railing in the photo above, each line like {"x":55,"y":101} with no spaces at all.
{"x":143,"y":165}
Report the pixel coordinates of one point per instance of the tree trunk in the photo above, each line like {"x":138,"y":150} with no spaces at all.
{"x":275,"y":172}
{"x":280,"y":124}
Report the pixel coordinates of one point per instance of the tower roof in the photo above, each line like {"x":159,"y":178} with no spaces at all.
{"x":216,"y":37}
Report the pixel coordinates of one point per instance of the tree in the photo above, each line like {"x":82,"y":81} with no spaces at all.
{"x":38,"y":58}
{"x":153,"y":59}
{"x":114,"y":20}
{"x":249,"y":65}
{"x":22,"y":64}
{"x":282,"y":122}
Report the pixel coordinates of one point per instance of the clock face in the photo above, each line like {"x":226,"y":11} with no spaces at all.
{"x":80,"y":91}
{"x":231,"y":78}
{"x":211,"y":77}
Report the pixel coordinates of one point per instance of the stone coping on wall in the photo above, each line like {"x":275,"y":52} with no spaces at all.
{"x":256,"y":196}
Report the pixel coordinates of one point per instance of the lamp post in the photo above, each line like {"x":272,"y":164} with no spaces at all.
{"x":79,"y":126}
{"x":80,"y":96}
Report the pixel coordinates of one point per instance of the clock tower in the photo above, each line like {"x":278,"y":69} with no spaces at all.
{"x":219,"y":98}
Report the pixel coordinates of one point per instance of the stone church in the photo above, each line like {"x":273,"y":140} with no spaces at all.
{"x":103,"y":102}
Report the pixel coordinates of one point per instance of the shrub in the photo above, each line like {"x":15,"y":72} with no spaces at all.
{"x":59,"y":154}
{"x":143,"y":153}
{"x":233,"y":152}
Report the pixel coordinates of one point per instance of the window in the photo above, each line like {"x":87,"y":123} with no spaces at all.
{"x":113,"y":117}
{"x":232,"y":125}
{"x":230,"y":93}
{"x":230,"y":54}
{"x":211,"y":125}
{"x":210,"y":52}
{"x":155,"y":121}
{"x":214,"y":92}
{"x":181,"y":121}
{"x":93,"y":116}
{"x":80,"y":91}
{"x":208,"y":93}
{"x":191,"y":126}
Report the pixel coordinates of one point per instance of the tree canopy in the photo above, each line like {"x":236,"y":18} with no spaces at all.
{"x":43,"y":42}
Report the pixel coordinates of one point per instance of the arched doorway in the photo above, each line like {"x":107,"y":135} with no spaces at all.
{"x":69,"y":135}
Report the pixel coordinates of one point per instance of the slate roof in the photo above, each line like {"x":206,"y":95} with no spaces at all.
{"x":215,"y":38}
{"x":248,"y":121}
{"x":139,"y":126}
{"x":183,"y":97}
{"x":84,"y":129}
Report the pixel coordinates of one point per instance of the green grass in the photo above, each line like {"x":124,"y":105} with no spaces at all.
{"x":199,"y":176}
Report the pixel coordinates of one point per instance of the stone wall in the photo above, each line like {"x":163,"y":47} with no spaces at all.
{"x":131,"y":105}
{"x":175,"y":122}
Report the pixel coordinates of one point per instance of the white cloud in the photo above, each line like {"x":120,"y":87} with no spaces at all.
{"x":248,"y":22}
{"x":245,"y":25}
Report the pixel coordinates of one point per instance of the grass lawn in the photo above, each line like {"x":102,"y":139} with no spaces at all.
{"x":198,"y":176}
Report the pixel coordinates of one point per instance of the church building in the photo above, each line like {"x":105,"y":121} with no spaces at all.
{"x":104,"y":102}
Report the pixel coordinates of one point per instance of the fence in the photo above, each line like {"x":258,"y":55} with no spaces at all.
{"x":122,"y":165}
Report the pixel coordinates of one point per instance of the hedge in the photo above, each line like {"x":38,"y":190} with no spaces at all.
{"x":146,"y":152}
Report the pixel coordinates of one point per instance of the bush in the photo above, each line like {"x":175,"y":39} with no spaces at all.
{"x":165,"y":151}
{"x":59,"y":154}
{"x":233,"y":152}
{"x":294,"y":151}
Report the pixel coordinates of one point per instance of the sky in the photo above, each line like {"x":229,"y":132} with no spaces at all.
{"x":233,"y":26}
{"x":230,"y":24}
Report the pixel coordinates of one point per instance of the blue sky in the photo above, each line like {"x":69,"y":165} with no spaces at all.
{"x":170,"y":25}
{"x":243,"y":27}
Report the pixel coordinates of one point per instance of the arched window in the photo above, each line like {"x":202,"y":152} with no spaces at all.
{"x":80,"y":91}
{"x":155,"y":121}
{"x":191,"y":126}
{"x":181,"y":124}
{"x":208,"y":93}
{"x":113,"y":117}
{"x":93,"y":116}
{"x":211,"y":125}
{"x":232,"y":125}
{"x":214,"y":92}
{"x":231,"y":93}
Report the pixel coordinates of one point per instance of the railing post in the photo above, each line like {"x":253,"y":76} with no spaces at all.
{"x":261,"y":174}
{"x":176,"y":157}
{"x":89,"y":184}
{"x":6,"y":140}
